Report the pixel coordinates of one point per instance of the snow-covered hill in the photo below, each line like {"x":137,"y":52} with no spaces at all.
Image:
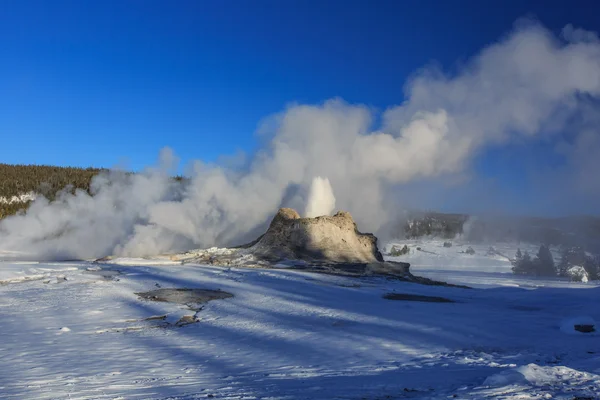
{"x":78,"y":330}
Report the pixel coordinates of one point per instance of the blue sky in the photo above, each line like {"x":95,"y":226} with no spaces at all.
{"x":101,"y":83}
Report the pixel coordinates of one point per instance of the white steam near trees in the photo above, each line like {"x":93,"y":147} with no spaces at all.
{"x":531,"y":85}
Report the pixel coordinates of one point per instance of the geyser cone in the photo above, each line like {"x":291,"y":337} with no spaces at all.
{"x":331,"y":245}
{"x":333,"y":239}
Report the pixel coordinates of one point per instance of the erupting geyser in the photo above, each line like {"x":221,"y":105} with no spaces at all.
{"x":327,"y":244}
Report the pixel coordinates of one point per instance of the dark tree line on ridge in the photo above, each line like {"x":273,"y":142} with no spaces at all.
{"x":48,"y":181}
{"x":575,"y":263}
{"x":562,"y":231}
{"x":17,"y":180}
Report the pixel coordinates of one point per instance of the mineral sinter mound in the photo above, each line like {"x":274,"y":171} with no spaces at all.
{"x":333,"y":239}
{"x":328,"y":244}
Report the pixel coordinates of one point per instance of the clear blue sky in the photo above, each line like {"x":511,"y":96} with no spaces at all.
{"x":96,"y":83}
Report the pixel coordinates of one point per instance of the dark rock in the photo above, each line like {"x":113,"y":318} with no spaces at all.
{"x":397,"y":252}
{"x":585,"y":328}
{"x":186,"y":320}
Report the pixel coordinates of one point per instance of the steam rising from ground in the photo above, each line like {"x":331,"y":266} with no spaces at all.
{"x":530,"y":86}
{"x":321,"y":200}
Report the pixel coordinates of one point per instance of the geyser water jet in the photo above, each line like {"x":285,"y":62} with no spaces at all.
{"x":321,"y":200}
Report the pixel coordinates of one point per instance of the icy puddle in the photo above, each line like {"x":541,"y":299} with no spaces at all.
{"x":416,"y":297}
{"x":184,"y":296}
{"x":286,"y":334}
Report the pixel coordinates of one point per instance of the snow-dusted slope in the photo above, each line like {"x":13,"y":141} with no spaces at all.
{"x":22,"y":198}
{"x":79,"y":331}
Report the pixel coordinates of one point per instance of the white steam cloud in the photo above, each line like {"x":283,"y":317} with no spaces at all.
{"x":529,"y":86}
{"x":321,"y":200}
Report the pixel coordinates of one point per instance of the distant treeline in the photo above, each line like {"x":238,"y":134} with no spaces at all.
{"x":435,"y":224}
{"x":565,"y":231}
{"x":18,"y":180}
{"x":574,"y":263}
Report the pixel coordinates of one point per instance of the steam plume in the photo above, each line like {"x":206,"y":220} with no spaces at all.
{"x":530,"y":86}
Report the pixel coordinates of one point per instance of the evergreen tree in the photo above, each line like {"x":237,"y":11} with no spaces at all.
{"x":577,"y":257}
{"x":570,"y":257}
{"x":544,"y":262}
{"x":592,"y":267}
{"x":526,"y":257}
{"x":518,"y":256}
{"x":523,"y":265}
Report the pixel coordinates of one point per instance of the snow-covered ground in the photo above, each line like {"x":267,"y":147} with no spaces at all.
{"x":489,"y":267}
{"x":22,"y":198}
{"x":78,"y":331}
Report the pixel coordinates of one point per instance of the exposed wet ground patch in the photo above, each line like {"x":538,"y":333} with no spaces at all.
{"x":191,"y":298}
{"x":416,"y":297}
{"x":184,"y":296}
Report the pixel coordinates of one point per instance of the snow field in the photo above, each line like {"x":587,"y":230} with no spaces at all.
{"x":80,"y":332}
